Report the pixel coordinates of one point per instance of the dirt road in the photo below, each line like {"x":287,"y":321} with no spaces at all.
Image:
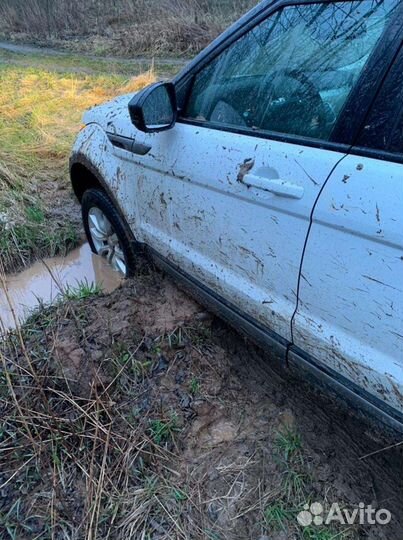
{"x":48,"y":51}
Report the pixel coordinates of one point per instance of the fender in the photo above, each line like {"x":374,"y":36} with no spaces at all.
{"x":94,"y":159}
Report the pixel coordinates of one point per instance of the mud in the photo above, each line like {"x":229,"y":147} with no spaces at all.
{"x":226,"y":459}
{"x":45,"y":281}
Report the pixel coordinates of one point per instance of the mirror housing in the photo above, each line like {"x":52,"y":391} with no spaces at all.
{"x":155,"y":108}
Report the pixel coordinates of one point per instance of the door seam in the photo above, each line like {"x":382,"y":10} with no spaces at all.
{"x":305,"y":248}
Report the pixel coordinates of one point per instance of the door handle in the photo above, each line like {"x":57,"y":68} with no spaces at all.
{"x":140,"y":148}
{"x":278,"y":187}
{"x":125,"y":143}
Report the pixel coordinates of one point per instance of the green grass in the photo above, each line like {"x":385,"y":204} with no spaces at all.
{"x":295,"y":484}
{"x":179,"y":495}
{"x":288,"y":446}
{"x":42,"y":100}
{"x":82,"y":290}
{"x":163,"y":431}
{"x":127,"y":367}
{"x":318,"y":533}
{"x":12,"y":524}
{"x":35,"y":214}
{"x":288,"y":443}
{"x":25,"y":242}
{"x":295,"y":492}
{"x":277,"y":516}
{"x":194,"y":386}
{"x":281,"y":515}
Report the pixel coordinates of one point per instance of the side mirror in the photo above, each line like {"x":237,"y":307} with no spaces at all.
{"x":155,"y":108}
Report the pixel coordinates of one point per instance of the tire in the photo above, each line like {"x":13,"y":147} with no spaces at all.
{"x":107,"y":233}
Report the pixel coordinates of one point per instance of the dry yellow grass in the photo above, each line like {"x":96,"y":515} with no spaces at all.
{"x":139,"y":81}
{"x":41,"y":111}
{"x":40,"y":115}
{"x":128,"y":27}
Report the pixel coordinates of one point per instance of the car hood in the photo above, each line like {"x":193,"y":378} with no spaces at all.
{"x":113,"y":116}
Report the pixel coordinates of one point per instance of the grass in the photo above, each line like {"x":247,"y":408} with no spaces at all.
{"x":82,"y":290}
{"x":288,"y":443}
{"x":295,"y":494}
{"x":194,"y":386}
{"x":41,"y":112}
{"x":90,"y":448}
{"x":277,"y":516}
{"x":162,"y":431}
{"x":122,"y":26}
{"x":289,"y":450}
{"x":73,"y":63}
{"x":28,"y":240}
{"x":11,"y":523}
{"x":104,"y":433}
{"x":316,"y":533}
{"x":72,"y":465}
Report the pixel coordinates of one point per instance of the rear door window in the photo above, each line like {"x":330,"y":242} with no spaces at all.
{"x":383,"y":129}
{"x":397,"y":137}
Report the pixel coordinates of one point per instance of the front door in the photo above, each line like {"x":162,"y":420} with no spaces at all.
{"x":227,"y":195}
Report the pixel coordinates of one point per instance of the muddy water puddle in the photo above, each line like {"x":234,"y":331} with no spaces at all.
{"x":44,"y":282}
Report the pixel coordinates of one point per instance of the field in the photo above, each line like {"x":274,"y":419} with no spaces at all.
{"x":138,"y":415}
{"x":41,"y":104}
{"x":122,"y":27}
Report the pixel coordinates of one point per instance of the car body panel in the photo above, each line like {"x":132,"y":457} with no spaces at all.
{"x":350,"y":314}
{"x":110,"y":164}
{"x":198,"y":210}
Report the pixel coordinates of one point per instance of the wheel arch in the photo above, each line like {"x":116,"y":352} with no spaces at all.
{"x":84,"y":175}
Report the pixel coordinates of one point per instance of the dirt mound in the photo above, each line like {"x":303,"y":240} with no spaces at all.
{"x":137,"y":415}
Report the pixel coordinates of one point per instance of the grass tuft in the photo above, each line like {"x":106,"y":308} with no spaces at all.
{"x":82,"y":290}
{"x":163,"y":431}
{"x":277,"y":516}
{"x":288,"y":443}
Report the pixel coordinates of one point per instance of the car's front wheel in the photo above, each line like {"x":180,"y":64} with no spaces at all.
{"x":107,"y":233}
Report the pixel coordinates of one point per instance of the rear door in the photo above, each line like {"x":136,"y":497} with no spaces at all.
{"x":350,"y":312}
{"x":231,"y":188}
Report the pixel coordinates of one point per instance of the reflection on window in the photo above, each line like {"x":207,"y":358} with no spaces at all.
{"x":292,"y":73}
{"x":397,"y":140}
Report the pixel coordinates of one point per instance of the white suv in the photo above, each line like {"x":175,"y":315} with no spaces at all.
{"x":268,"y":176}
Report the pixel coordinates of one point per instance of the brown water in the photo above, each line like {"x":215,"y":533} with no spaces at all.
{"x":44,"y":281}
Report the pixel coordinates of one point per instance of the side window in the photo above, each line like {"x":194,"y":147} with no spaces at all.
{"x":397,"y":138}
{"x":293,"y":72}
{"x":383,"y":129}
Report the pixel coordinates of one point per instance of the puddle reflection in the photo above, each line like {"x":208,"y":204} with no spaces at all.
{"x":44,"y":281}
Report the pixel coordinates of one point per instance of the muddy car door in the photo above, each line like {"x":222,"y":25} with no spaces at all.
{"x":253,"y":147}
{"x":350,"y":314}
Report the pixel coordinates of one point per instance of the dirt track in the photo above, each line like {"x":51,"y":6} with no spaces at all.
{"x":49,"y":51}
